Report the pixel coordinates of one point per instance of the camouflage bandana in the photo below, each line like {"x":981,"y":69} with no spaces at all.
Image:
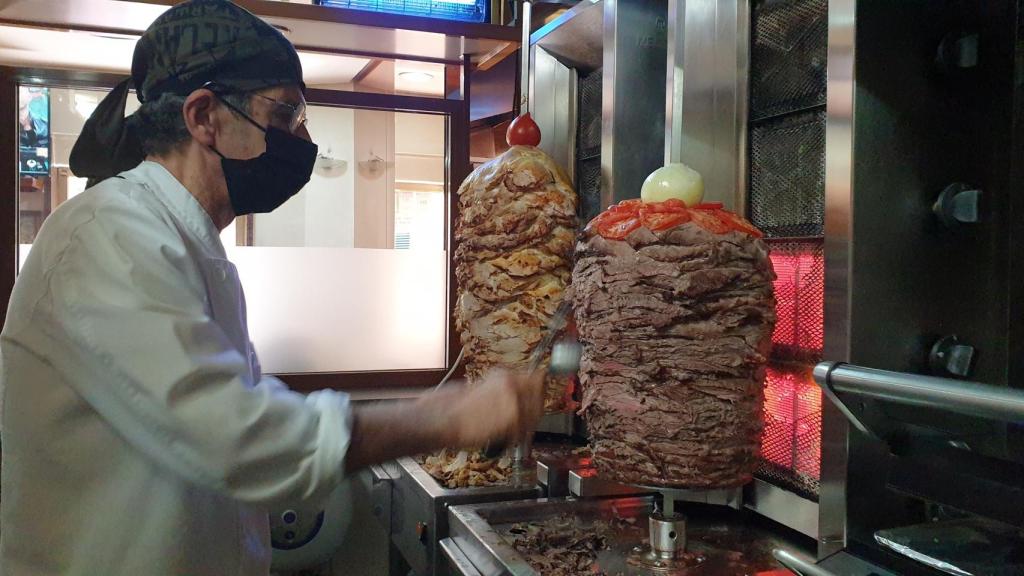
{"x":193,"y":43}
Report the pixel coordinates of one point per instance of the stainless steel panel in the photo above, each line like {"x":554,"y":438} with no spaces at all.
{"x":783,"y":506}
{"x":900,"y":129}
{"x":633,"y":127}
{"x":457,"y":561}
{"x":419,"y":505}
{"x":586,"y":483}
{"x":706,"y":94}
{"x":575,"y":38}
{"x":838,"y":254}
{"x":730,"y":497}
{"x":380,"y":494}
{"x":553,"y":107}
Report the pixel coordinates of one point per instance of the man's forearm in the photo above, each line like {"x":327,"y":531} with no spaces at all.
{"x":385,"y":431}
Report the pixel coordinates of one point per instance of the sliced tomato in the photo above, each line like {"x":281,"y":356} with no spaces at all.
{"x":673,"y":204}
{"x":630,"y":206}
{"x":740,"y":224}
{"x":607,"y":218}
{"x":669,"y":206}
{"x":619,"y":230}
{"x":709,"y":206}
{"x":664,"y":220}
{"x":710,"y":221}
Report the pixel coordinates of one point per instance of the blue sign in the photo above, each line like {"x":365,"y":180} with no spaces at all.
{"x":461,"y":10}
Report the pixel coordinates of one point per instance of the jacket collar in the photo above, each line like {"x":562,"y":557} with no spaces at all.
{"x":180,"y":201}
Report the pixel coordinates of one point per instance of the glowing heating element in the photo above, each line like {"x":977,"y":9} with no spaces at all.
{"x":792,"y":431}
{"x":800,"y":296}
{"x":791,"y":444}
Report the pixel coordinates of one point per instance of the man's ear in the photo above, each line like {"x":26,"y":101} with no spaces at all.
{"x":200,"y":115}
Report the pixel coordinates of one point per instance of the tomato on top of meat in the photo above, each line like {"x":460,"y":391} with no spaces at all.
{"x":523,"y":131}
{"x":620,"y":220}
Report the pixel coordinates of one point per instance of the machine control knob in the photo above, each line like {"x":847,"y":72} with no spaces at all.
{"x":958,"y":204}
{"x":950,"y":357}
{"x":957,"y":51}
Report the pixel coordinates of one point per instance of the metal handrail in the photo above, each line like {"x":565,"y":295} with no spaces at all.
{"x":798,"y":565}
{"x":957,"y":396}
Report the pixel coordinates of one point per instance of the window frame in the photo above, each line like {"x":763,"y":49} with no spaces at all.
{"x":457,"y":168}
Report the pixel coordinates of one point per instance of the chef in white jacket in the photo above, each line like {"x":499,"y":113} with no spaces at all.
{"x":139,"y":435}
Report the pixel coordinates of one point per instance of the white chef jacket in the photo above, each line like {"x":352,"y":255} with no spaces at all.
{"x":139,"y":436}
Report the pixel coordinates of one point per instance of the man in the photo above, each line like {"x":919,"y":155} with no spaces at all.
{"x":139,"y":436}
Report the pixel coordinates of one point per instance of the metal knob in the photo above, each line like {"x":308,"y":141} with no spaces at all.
{"x":951,"y":358}
{"x":958,"y":204}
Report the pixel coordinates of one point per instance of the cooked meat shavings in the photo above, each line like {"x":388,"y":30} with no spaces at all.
{"x":557,"y":547}
{"x":465,"y":469}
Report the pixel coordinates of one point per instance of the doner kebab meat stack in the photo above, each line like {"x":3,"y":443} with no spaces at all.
{"x":675,"y":310}
{"x":515,"y":234}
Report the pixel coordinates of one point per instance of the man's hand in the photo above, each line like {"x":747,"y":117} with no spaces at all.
{"x":504,"y":407}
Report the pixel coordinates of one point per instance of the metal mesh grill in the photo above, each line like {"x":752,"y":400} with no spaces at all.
{"x":800,"y":294}
{"x":789,"y":51}
{"x":791,"y":445}
{"x":588,"y":187}
{"x":588,"y":140}
{"x":787,"y":175}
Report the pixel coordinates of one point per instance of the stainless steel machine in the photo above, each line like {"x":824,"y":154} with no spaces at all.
{"x":921,"y":469}
{"x":619,"y":88}
{"x":878,"y":145}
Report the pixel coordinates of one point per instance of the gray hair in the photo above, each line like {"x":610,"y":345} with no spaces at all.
{"x":161,"y":125}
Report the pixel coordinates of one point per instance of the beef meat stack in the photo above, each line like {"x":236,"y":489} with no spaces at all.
{"x":515,"y":235}
{"x":675,"y":311}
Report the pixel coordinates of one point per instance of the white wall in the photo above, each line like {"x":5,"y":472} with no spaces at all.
{"x":419,"y":134}
{"x":322,"y":214}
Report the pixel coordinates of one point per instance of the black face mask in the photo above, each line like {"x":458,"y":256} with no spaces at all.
{"x":263,"y":183}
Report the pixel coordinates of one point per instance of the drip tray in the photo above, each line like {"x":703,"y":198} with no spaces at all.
{"x":596,"y":537}
{"x":964,"y":547}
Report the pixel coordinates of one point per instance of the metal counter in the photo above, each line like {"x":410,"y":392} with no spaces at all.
{"x":727,"y":542}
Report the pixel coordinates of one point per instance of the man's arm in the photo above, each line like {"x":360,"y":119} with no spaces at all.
{"x":503,"y":407}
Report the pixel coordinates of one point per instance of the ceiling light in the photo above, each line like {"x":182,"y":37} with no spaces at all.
{"x":416,"y":76}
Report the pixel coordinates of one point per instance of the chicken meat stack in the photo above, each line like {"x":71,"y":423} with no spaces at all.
{"x":675,"y":311}
{"x":515,"y":235}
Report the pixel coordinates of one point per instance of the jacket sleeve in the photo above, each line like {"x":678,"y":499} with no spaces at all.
{"x":130,"y":331}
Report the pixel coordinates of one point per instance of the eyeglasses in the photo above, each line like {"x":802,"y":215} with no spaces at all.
{"x":291,"y":115}
{"x":295,"y":114}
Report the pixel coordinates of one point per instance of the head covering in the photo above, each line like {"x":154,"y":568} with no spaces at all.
{"x":193,"y":43}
